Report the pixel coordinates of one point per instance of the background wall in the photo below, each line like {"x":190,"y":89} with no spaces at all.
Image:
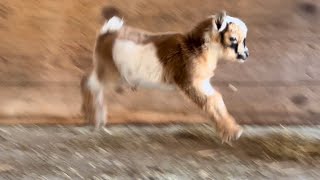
{"x":46,"y":46}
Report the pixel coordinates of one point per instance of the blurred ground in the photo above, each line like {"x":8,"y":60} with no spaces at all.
{"x":158,"y":152}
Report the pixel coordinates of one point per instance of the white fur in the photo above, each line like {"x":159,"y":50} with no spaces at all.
{"x":93,"y":83}
{"x":207,"y":88}
{"x":113,"y":24}
{"x":101,"y":113}
{"x":137,"y":63}
{"x":237,"y":21}
{"x":97,"y":91}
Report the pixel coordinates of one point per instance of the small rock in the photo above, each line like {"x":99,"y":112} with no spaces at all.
{"x":66,"y":175}
{"x":95,"y":178}
{"x":5,"y":167}
{"x":78,"y":155}
{"x":105,"y":177}
{"x":92,"y":165}
{"x":203,"y":174}
{"x":75,"y":172}
{"x":106,"y":130}
{"x":101,"y":150}
{"x":232,"y":87}
{"x":206,"y":153}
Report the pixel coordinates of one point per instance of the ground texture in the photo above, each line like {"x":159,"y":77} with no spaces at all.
{"x":157,"y":152}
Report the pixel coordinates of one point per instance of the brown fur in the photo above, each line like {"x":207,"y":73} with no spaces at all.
{"x":187,"y":59}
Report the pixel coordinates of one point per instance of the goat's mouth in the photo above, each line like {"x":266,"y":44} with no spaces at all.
{"x":241,"y":61}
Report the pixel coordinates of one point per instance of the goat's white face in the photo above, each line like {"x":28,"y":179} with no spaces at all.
{"x":233,"y":33}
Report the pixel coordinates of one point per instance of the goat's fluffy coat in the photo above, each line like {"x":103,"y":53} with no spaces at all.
{"x":131,"y":56}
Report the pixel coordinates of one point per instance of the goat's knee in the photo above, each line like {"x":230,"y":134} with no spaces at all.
{"x":210,"y":100}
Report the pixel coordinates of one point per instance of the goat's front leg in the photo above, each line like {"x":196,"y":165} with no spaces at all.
{"x":207,"y":98}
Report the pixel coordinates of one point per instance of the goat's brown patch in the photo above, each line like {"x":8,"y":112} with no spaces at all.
{"x":108,"y":12}
{"x":186,"y":60}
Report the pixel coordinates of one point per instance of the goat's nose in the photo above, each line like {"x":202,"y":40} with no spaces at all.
{"x":241,"y":56}
{"x":247,"y":53}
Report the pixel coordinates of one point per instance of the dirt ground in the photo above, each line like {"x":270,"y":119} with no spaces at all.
{"x":157,"y":152}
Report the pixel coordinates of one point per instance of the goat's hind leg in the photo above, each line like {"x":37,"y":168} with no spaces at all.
{"x":87,"y":100}
{"x":93,"y":104}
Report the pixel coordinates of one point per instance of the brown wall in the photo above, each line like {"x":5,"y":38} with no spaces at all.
{"x":46,"y":46}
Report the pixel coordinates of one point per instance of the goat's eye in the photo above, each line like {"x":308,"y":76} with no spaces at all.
{"x":233,"y":39}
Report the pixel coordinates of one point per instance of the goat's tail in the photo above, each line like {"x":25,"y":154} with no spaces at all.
{"x":113,"y":20}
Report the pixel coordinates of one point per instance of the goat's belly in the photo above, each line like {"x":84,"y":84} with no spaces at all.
{"x":138,"y":64}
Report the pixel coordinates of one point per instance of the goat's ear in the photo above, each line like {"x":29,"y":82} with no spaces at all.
{"x":221,"y":23}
